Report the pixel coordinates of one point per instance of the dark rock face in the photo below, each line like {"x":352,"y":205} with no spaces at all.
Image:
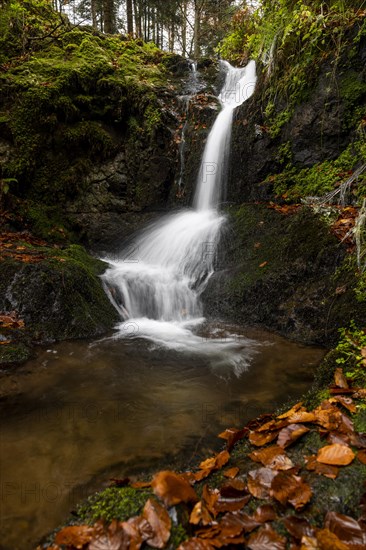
{"x":279,"y":272}
{"x":318,"y":129}
{"x":58,"y":298}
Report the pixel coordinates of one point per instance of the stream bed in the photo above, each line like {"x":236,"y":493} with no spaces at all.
{"x":83,"y":412}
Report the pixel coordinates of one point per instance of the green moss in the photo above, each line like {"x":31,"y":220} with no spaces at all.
{"x":13,"y":354}
{"x":119,"y":503}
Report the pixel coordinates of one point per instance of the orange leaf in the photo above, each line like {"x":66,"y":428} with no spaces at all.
{"x":263,"y":264}
{"x":266,"y":538}
{"x":231,"y":472}
{"x":329,"y":541}
{"x":216,"y":462}
{"x":290,"y":434}
{"x":289,"y":413}
{"x":273,"y":457}
{"x":340,"y":379}
{"x":289,"y":488}
{"x":158,"y":518}
{"x":347,"y":529}
{"x":336,"y":454}
{"x":172,"y":488}
{"x":259,"y":482}
{"x":200,"y":514}
{"x":326,"y":470}
{"x":260,"y":439}
{"x":75,"y":535}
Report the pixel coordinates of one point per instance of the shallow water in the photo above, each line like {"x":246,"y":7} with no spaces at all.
{"x":83,"y":412}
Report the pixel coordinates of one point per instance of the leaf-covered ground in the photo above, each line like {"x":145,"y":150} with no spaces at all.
{"x":284,"y":481}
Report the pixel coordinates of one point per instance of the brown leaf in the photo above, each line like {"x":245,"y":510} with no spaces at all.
{"x":234,"y":489}
{"x":292,"y":411}
{"x":302,"y":416}
{"x":266,"y":538}
{"x":347,"y":529}
{"x":290,"y":434}
{"x":330,"y":418}
{"x":260,"y":439}
{"x":322,"y":469}
{"x":157,"y":516}
{"x":75,"y":535}
{"x":200,"y":514}
{"x":202,"y":474}
{"x":231,"y":504}
{"x":336,"y":454}
{"x":286,"y":488}
{"x":232,"y":435}
{"x":265,"y":513}
{"x":196,"y":544}
{"x":113,"y":537}
{"x":328,"y":541}
{"x":216,"y":462}
{"x":346,"y":402}
{"x":259,"y":482}
{"x":138,"y":530}
{"x":210,"y":498}
{"x":309,"y":543}
{"x":298,"y":527}
{"x":172,"y":488}
{"x":361,"y":455}
{"x":140,"y":484}
{"x":340,"y":379}
{"x":231,"y":473}
{"x":263,"y":264}
{"x":272,"y":457}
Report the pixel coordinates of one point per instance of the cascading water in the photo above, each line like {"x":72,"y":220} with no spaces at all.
{"x":156,"y":288}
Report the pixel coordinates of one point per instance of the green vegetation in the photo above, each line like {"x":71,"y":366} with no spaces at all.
{"x":69,"y":95}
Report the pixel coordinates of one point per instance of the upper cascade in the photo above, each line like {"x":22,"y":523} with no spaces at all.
{"x":238,"y":87}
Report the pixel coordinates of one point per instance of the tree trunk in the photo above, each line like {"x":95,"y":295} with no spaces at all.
{"x":196,"y":36}
{"x":108,"y":16}
{"x":93,"y":7}
{"x":129,"y":9}
{"x":138,"y":18}
{"x":184,"y":29}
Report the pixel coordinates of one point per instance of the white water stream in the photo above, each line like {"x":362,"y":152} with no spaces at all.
{"x":157,"y":281}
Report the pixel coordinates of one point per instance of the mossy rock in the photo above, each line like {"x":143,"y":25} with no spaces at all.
{"x":59,"y":297}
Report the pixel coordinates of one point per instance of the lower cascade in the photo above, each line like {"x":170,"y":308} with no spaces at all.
{"x":157,"y":280}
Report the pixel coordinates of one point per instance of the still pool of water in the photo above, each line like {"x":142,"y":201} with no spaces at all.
{"x":83,"y":412}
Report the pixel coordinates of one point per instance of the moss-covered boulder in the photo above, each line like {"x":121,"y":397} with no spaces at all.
{"x":285,"y":272}
{"x":57,"y":293}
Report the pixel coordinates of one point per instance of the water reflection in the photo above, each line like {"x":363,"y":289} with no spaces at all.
{"x":83,"y":412}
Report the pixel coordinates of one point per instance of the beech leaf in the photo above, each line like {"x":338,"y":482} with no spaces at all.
{"x":75,"y":535}
{"x":336,"y":454}
{"x":172,"y":488}
{"x":157,"y":516}
{"x":266,"y":538}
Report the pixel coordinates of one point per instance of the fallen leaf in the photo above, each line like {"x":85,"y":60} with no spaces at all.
{"x":260,"y":439}
{"x":113,"y":537}
{"x":340,"y":379}
{"x":195,"y":544}
{"x":361,"y":455}
{"x":216,"y":462}
{"x":232,"y":435}
{"x":290,"y":434}
{"x":75,"y":535}
{"x":200,"y":514}
{"x":157,"y":516}
{"x":329,"y":541}
{"x":326,"y":470}
{"x":272,"y":457}
{"x":291,"y":411}
{"x":210,"y":498}
{"x":263,"y":264}
{"x":336,"y":454}
{"x":234,"y":489}
{"x":266,"y":538}
{"x":172,"y":488}
{"x":346,"y":402}
{"x":347,"y":529}
{"x":231,"y":473}
{"x":259,"y":482}
{"x":265,"y":513}
{"x":298,"y":527}
{"x":302,"y":416}
{"x":287,"y":487}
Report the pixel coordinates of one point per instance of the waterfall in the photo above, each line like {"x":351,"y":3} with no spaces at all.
{"x":157,"y":281}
